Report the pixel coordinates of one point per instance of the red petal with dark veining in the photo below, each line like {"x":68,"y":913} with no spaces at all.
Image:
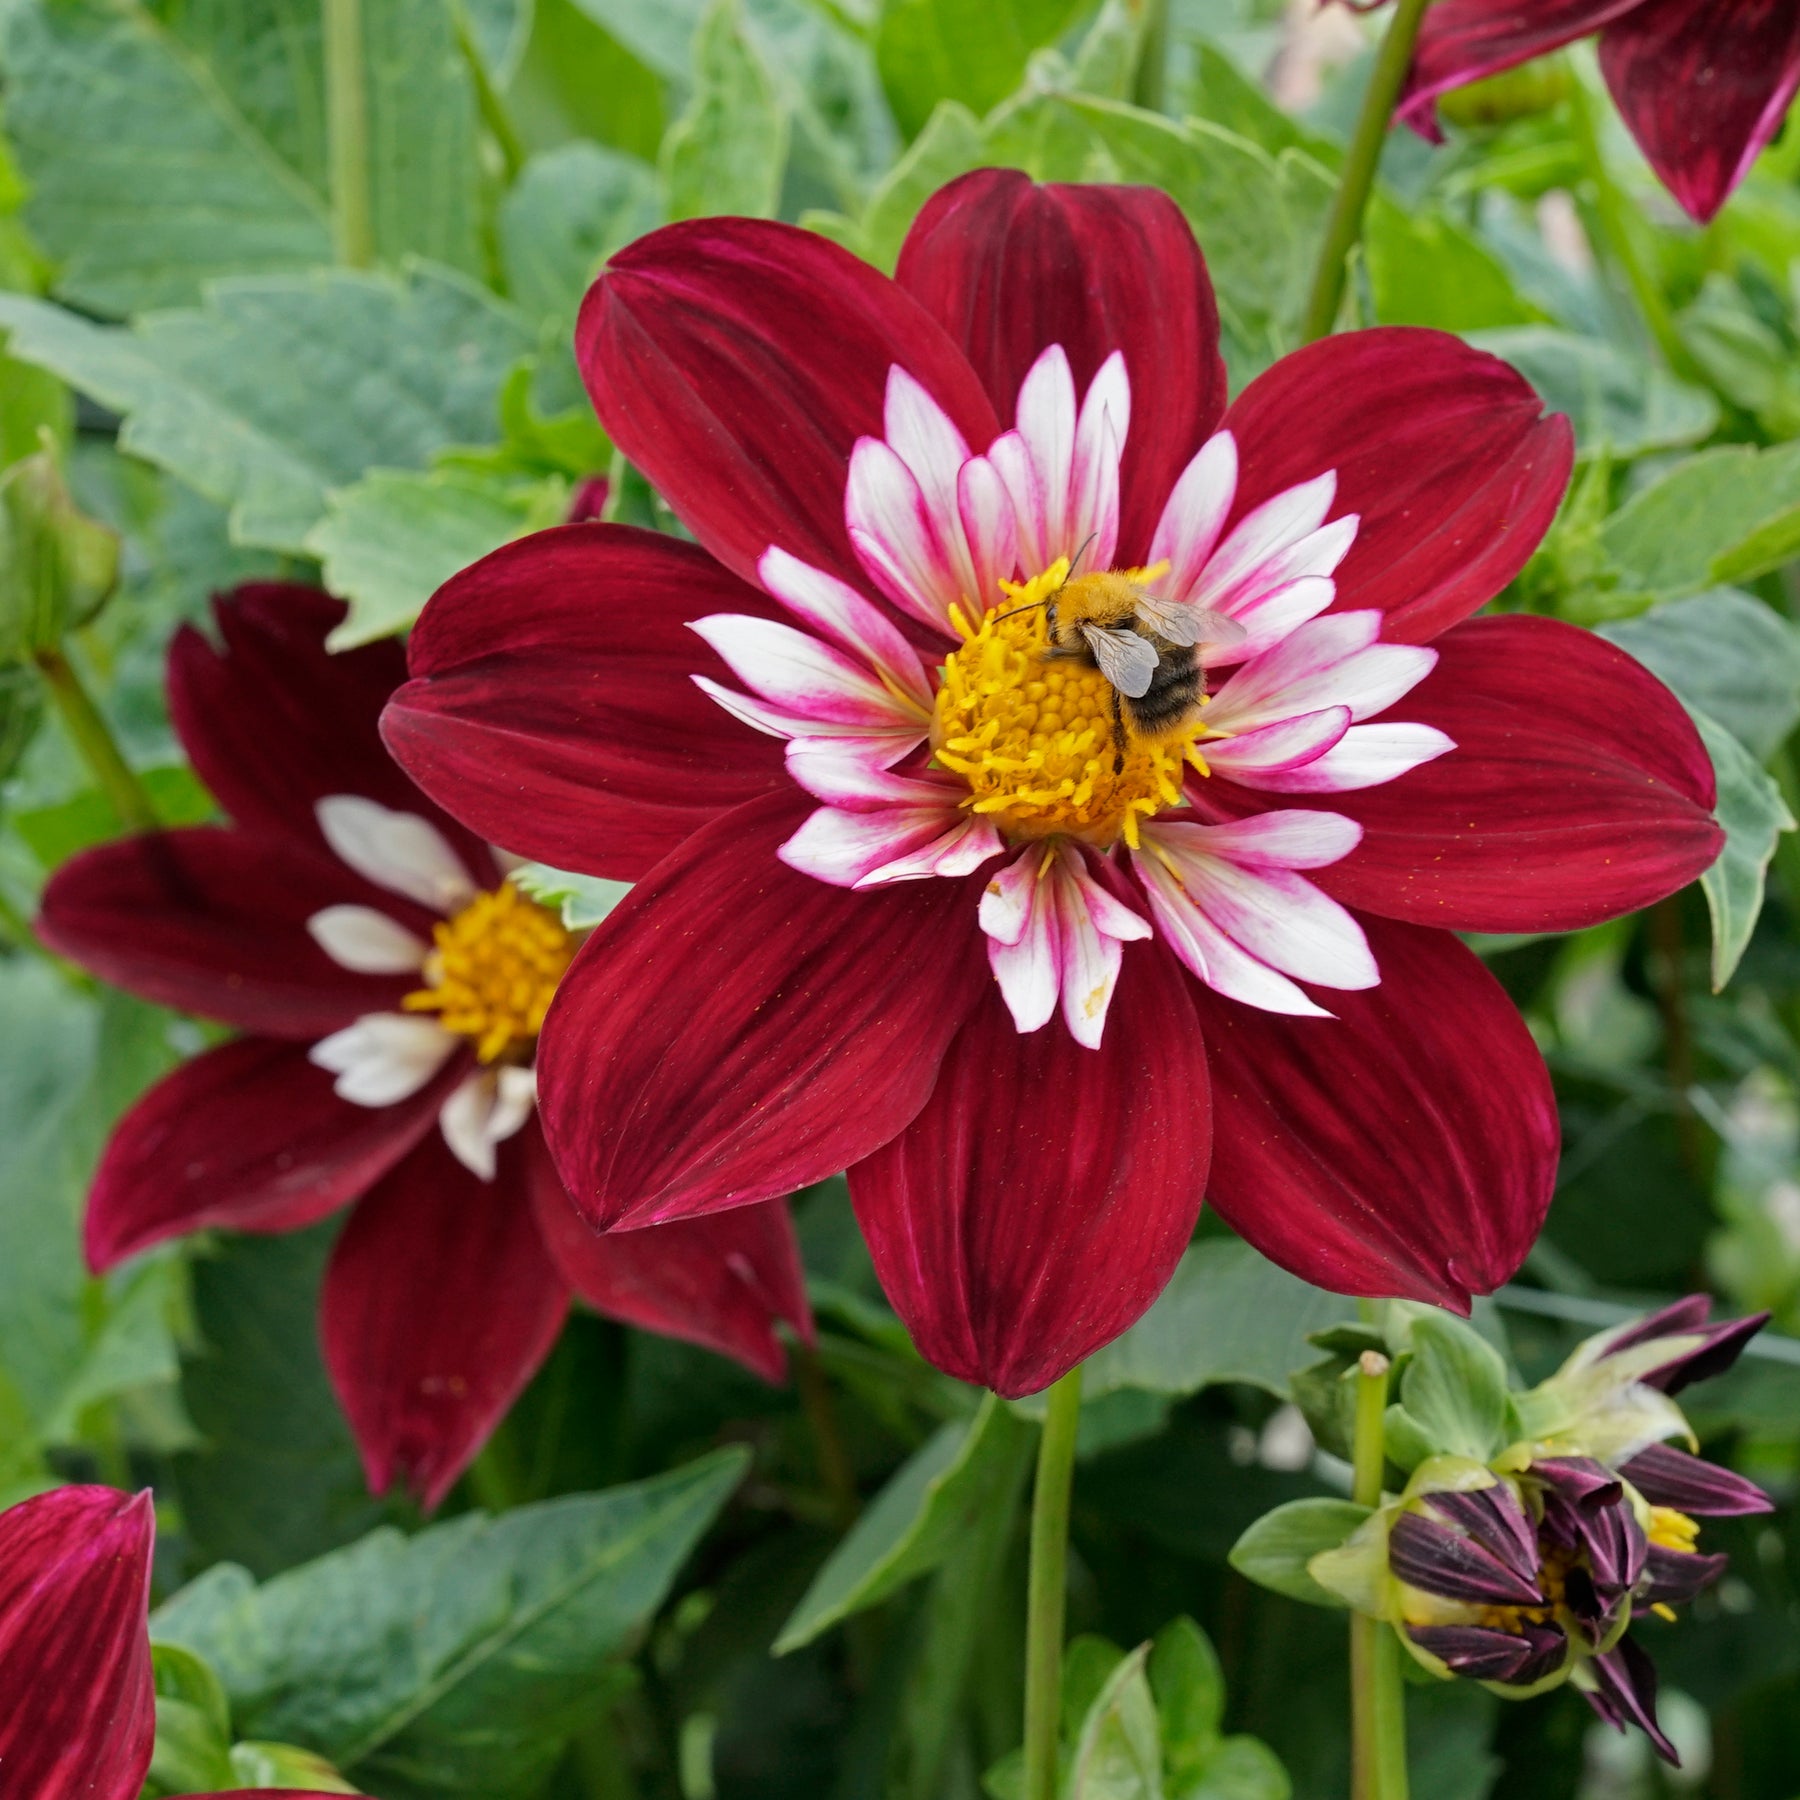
{"x":1579,"y":789}
{"x":1406,"y":1148}
{"x":212,"y":920}
{"x":249,"y":1136}
{"x":80,"y":1716}
{"x":439,"y":1304}
{"x":1444,"y":452}
{"x":1010,"y":267}
{"x":1040,"y":1202}
{"x":1704,"y":85}
{"x":736,"y":362}
{"x":553,"y":707}
{"x":722,"y":1281}
{"x":736,"y":1031}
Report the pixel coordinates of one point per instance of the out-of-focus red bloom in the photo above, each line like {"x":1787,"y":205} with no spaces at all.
{"x":390,"y":985}
{"x":1703,"y":85}
{"x":79,"y":1721}
{"x":902,"y":841}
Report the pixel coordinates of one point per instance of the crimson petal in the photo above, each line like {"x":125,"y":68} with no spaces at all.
{"x":1704,"y":85}
{"x":1407,"y":1148}
{"x":553,"y":706}
{"x":736,"y":1031}
{"x":1010,"y":267}
{"x":439,"y":1304}
{"x":213,"y":921}
{"x":1579,"y":789}
{"x":80,"y":1714}
{"x":737,"y":361}
{"x":721,"y":1281}
{"x":1040,"y":1202}
{"x":1441,"y":449}
{"x":249,"y":1136}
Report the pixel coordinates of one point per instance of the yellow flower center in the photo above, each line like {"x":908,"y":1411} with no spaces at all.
{"x":1044,"y":743}
{"x":1672,"y":1530}
{"x":494,"y":970}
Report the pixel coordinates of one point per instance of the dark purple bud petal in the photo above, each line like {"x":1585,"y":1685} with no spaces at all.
{"x":1549,"y":1648}
{"x":1438,"y":1559}
{"x":1666,"y":1476}
{"x":1496,"y":1521}
{"x":1474,"y":1650}
{"x":1719,"y":1347}
{"x":1616,"y":1545}
{"x":1676,"y":1576}
{"x":1580,"y":1480}
{"x":1679,"y":1316}
{"x":1627,"y":1684}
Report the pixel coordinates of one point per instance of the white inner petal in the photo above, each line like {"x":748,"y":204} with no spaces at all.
{"x":484,"y":1112}
{"x":360,"y":938}
{"x":396,"y":850}
{"x":383,"y":1057}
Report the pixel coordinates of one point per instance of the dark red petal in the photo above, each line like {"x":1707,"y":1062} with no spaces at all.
{"x":1040,"y":1202}
{"x":1441,"y":449}
{"x":553,"y":708}
{"x":1010,"y":267}
{"x":439,"y":1304}
{"x":1579,"y":789}
{"x":1405,"y":1149}
{"x":722,"y":1281}
{"x":1704,"y":85}
{"x":80,"y":1714}
{"x":213,"y":921}
{"x":1462,"y":40}
{"x":249,"y":1136}
{"x":736,"y":361}
{"x":736,"y":1031}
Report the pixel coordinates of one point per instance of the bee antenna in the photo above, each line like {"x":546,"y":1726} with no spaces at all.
{"x":1079,"y":554}
{"x":1019,"y":609}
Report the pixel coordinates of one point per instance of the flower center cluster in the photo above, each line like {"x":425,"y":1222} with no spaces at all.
{"x":493,"y":971}
{"x":1042,"y":742}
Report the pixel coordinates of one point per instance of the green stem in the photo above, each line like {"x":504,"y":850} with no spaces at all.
{"x":93,"y":738}
{"x":347,"y":129}
{"x":493,"y":109}
{"x":1343,"y":229}
{"x":1377,"y":1696}
{"x":1047,"y":1587}
{"x":1613,"y":214}
{"x":835,"y":1472}
{"x":1150,"y":87}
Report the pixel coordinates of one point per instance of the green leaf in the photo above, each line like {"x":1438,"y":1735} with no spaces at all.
{"x":1621,"y":405}
{"x":569,"y":211}
{"x":725,"y":154}
{"x":193,"y":1724}
{"x":583,"y":900}
{"x":1189,"y":1686}
{"x":1753,"y":814}
{"x":460,"y":1661}
{"x":1118,"y":1753}
{"x":279,"y":388}
{"x":1242,"y":1768}
{"x":1454,"y":1389}
{"x":146,"y":181}
{"x":1425,"y":269}
{"x":282,"y":1766}
{"x":1275,"y":1550}
{"x":55,"y":833}
{"x":661,"y":37}
{"x":938,"y":1496}
{"x":1750,"y":362}
{"x":390,"y":542}
{"x":932,"y":50}
{"x":1726,"y":515}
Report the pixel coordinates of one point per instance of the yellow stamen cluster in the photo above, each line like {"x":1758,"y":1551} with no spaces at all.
{"x":1672,"y":1530}
{"x":494,"y":970}
{"x":1036,"y":740}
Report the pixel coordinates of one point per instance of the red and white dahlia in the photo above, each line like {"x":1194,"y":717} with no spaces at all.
{"x":390,"y":984}
{"x":881,"y":840}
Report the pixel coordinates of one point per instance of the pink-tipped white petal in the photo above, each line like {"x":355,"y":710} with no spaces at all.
{"x":1269,"y":617}
{"x":1006,"y":901}
{"x":959,"y":850}
{"x":483,"y":1112}
{"x":1100,"y":434}
{"x":1367,"y":756}
{"x":794,"y":671}
{"x":1093,"y":928}
{"x":1294,"y":838}
{"x":399,"y":851}
{"x":840,"y":781}
{"x":990,"y":536}
{"x":1333,"y":661}
{"x":1262,"y":537}
{"x":1289,"y":744}
{"x":1046,"y":424}
{"x":383,"y":1058}
{"x":876,"y":745}
{"x":840,"y":614}
{"x":843,"y":848}
{"x":1195,"y":514}
{"x":1028,"y":497}
{"x":922,"y":435}
{"x":894,"y":532}
{"x":368,"y":941}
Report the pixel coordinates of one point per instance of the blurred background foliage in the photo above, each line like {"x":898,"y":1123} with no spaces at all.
{"x":185,"y":342}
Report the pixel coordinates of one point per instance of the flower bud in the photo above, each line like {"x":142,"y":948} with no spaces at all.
{"x":57,"y":566}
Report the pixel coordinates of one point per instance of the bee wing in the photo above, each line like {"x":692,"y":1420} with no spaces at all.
{"x":1125,"y":659}
{"x":1187,"y":625}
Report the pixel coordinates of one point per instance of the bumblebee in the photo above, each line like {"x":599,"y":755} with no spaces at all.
{"x":1146,"y":648}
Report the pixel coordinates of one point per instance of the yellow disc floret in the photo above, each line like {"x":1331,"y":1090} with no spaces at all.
{"x":1041,"y":742}
{"x":493,"y":971}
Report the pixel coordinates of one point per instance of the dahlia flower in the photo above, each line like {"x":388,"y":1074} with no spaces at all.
{"x":919,"y":900}
{"x":389,"y":983}
{"x":1702,"y":85}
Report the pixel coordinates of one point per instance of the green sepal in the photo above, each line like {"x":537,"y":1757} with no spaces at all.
{"x":57,"y":566}
{"x":1277,"y":1550}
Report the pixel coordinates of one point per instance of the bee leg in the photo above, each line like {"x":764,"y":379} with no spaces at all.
{"x":1118,"y":713}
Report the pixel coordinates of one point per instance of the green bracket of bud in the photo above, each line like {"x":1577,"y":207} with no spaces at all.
{"x":57,"y":566}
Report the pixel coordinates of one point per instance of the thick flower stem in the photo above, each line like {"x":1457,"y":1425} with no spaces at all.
{"x":1343,"y":229}
{"x":93,"y":738}
{"x":1048,"y":1584}
{"x":835,"y":1472}
{"x":347,"y":132}
{"x":1377,"y":1696}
